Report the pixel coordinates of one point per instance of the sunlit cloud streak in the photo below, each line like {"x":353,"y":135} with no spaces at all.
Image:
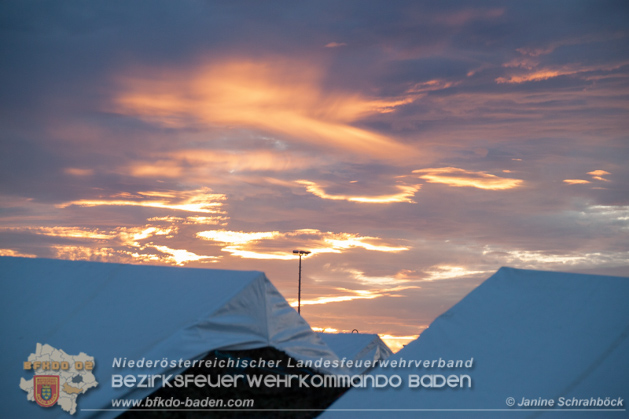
{"x":598,"y":175}
{"x":200,"y":162}
{"x":405,"y":194}
{"x":536,"y":76}
{"x":358,"y":295}
{"x":274,"y":95}
{"x":548,"y":260}
{"x":453,"y":176}
{"x":260,"y":245}
{"x":355,"y":295}
{"x":77,"y":252}
{"x":431,"y":86}
{"x":531,"y":68}
{"x":533,"y":75}
{"x":128,"y":236}
{"x":370,"y":280}
{"x":15,"y":253}
{"x":118,"y":243}
{"x":194,"y":219}
{"x":117,"y":255}
{"x":78,"y":172}
{"x":69,"y":232}
{"x":201,"y":200}
{"x":181,"y":256}
{"x":132,"y":235}
{"x":576,"y":181}
{"x":442,"y":272}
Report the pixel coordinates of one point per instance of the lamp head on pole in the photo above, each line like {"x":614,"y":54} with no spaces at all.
{"x":301,"y":252}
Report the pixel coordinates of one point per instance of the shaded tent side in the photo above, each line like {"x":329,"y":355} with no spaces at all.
{"x":528,"y":334}
{"x":128,"y":312}
{"x":364,"y":350}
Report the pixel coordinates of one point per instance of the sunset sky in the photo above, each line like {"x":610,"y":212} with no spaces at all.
{"x":413,"y":147}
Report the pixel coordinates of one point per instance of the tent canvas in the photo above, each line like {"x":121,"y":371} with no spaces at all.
{"x":531,"y":334}
{"x":361,"y":348}
{"x":110,"y":311}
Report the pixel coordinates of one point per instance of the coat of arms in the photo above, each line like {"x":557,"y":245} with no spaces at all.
{"x":46,"y":389}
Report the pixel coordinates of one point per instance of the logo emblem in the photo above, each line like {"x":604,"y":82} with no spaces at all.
{"x":46,"y":389}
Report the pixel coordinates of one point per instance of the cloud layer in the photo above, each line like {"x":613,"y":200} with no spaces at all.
{"x":413,"y":147}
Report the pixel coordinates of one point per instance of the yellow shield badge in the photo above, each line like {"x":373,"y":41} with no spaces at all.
{"x":46,"y":389}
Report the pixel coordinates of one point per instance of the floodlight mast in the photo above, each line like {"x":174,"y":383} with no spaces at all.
{"x":300,"y":253}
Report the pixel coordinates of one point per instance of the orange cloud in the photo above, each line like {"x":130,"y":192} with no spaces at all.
{"x":278,"y":96}
{"x":128,"y":236}
{"x":72,"y":232}
{"x":431,"y":85}
{"x":258,"y":160}
{"x":125,"y":237}
{"x":405,"y":194}
{"x":535,"y":76}
{"x":159,"y":169}
{"x":106,"y":254}
{"x":84,"y":253}
{"x":575,"y":181}
{"x":548,"y":73}
{"x":453,"y":176}
{"x":15,"y":253}
{"x":78,"y":172}
{"x":598,"y":175}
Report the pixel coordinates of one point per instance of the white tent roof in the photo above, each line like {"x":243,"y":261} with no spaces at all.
{"x":531,"y":334}
{"x":361,"y":348}
{"x":124,"y":311}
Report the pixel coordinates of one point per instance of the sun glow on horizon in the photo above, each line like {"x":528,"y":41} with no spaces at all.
{"x":393,"y":342}
{"x":396,"y":343}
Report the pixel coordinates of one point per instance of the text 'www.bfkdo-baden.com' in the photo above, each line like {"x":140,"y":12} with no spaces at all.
{"x":187,"y":403}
